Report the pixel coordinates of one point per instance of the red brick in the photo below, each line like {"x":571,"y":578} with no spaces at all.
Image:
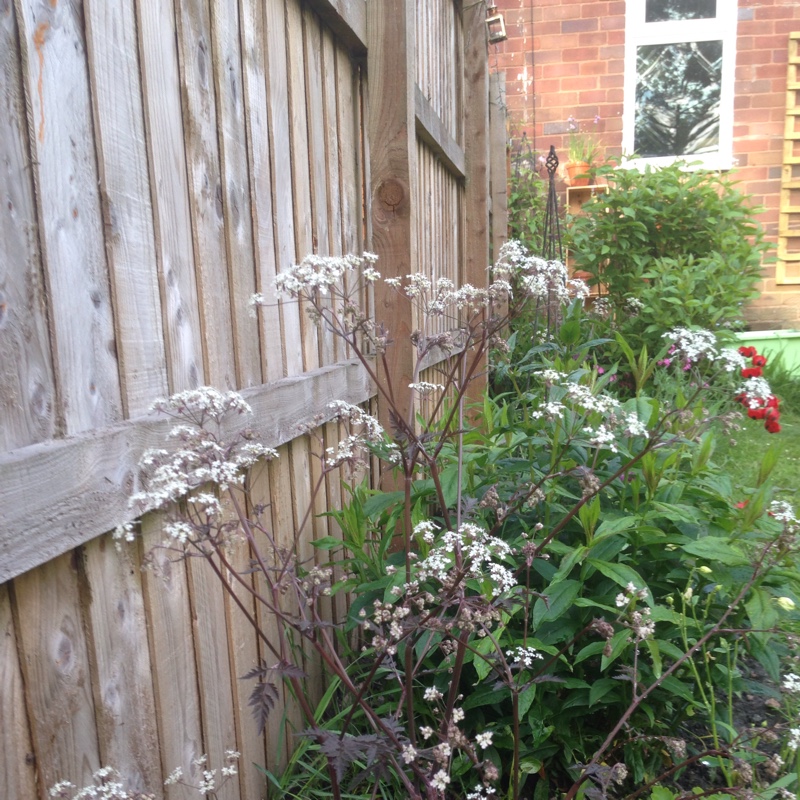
{"x":776,"y":12}
{"x":590,"y":39}
{"x":561,"y":70}
{"x":767,"y":101}
{"x":592,"y":96}
{"x":769,"y":42}
{"x":752,"y":87}
{"x":580,"y":54}
{"x":613,"y":52}
{"x":579,"y":25}
{"x":579,"y":82}
{"x":612,"y":23}
{"x":594,"y":68}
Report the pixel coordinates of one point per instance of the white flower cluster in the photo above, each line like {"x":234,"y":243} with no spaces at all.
{"x":436,"y":297}
{"x":791,"y":682}
{"x":631,"y":593}
{"x":756,"y":390}
{"x":427,"y":530}
{"x":538,"y":278}
{"x":524,"y":656}
{"x":583,"y":397}
{"x":171,"y":476}
{"x":794,"y":739}
{"x":199,"y":404}
{"x":320,"y":274}
{"x":373,"y":431}
{"x":478,"y":549}
{"x":482,"y":793}
{"x":425,"y":388}
{"x":696,"y":345}
{"x":106,"y":786}
{"x":784,"y":512}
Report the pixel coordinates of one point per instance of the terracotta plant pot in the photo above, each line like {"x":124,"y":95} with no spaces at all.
{"x":575,"y":168}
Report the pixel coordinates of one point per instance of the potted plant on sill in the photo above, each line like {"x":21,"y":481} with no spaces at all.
{"x":582,"y":153}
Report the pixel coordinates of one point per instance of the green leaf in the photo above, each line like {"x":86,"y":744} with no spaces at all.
{"x":559,"y":600}
{"x":715,"y":548}
{"x":655,"y":655}
{"x":621,"y":574}
{"x":600,"y":688}
{"x":379,"y":502}
{"x":526,"y":698}
{"x":610,"y":527}
{"x":575,"y":557}
{"x":619,"y":641}
{"x":760,"y":609}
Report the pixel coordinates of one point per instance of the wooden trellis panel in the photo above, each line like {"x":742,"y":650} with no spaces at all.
{"x":788,"y":267}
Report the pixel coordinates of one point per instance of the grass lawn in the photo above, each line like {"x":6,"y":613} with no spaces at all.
{"x":742,"y":460}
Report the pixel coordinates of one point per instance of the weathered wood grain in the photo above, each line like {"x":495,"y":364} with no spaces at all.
{"x":64,"y":164}
{"x":207,"y":194}
{"x":122,"y":680}
{"x":56,"y":672}
{"x":17,"y":765}
{"x":433,"y":132}
{"x":169,"y":190}
{"x":233,"y":147}
{"x":301,"y":175}
{"x":27,"y":390}
{"x":127,"y":208}
{"x":283,"y":190}
{"x":347,"y":19}
{"x":177,"y":702}
{"x":392,"y":177}
{"x":256,"y":105}
{"x":90,"y":477}
{"x":319,"y":177}
{"x":214,"y":680}
{"x":476,"y":151}
{"x":498,"y":167}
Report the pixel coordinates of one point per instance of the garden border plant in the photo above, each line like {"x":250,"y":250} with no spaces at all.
{"x":477,"y":585}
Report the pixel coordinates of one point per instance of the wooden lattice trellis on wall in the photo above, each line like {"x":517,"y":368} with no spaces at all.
{"x":788,"y":268}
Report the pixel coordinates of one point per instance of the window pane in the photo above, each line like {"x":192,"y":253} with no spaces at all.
{"x":662,"y":10}
{"x":678,"y":98}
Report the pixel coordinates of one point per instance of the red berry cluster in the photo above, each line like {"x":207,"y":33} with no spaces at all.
{"x":764,"y":409}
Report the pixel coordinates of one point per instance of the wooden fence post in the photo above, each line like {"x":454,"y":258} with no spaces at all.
{"x":392,"y":141}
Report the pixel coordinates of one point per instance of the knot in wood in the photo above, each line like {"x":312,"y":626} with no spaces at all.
{"x":392,"y":194}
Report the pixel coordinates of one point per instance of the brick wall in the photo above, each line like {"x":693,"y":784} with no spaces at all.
{"x":566,"y":58}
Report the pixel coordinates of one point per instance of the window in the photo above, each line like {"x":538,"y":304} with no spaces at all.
{"x":679,"y":70}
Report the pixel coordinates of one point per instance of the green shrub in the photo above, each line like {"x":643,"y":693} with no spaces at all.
{"x":682,"y":244}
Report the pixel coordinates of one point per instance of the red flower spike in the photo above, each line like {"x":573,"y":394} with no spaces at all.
{"x":752,"y":372}
{"x":747,"y":352}
{"x":759,"y":361}
{"x":773,"y":401}
{"x":773,"y":414}
{"x":757,"y":413}
{"x":772,"y":426}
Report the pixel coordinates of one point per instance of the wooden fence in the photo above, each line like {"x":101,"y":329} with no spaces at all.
{"x":159,"y":163}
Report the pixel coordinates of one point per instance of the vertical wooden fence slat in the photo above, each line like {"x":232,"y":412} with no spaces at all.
{"x":476,"y":156}
{"x":213,"y":667}
{"x":333,"y":178}
{"x":283,"y":191}
{"x":304,"y":476}
{"x":27,"y":391}
{"x":120,"y":655}
{"x":71,"y":227}
{"x":243,"y":654}
{"x":283,"y":531}
{"x":166,"y":600}
{"x":206,"y":196}
{"x":127,"y":209}
{"x":261,"y":496}
{"x":318,"y":179}
{"x":56,"y":672}
{"x":17,"y":771}
{"x":169,"y":188}
{"x":301,"y":177}
{"x":233,"y":146}
{"x":498,"y":165}
{"x":390,"y":30}
{"x":261,"y":184}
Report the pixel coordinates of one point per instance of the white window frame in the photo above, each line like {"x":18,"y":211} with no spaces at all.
{"x":638,"y":32}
